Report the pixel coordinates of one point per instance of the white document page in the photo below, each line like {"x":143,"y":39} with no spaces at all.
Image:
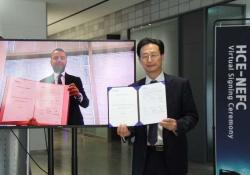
{"x":123,"y":106}
{"x":153,"y":105}
{"x":48,"y":106}
{"x":19,"y":103}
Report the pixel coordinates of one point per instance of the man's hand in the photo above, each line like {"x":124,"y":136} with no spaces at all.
{"x":169,"y":124}
{"x":73,"y":90}
{"x":122,"y":131}
{"x":33,"y":122}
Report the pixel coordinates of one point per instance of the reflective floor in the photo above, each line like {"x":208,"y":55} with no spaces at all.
{"x":96,"y":156}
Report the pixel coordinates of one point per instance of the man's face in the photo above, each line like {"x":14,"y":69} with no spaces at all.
{"x":151,"y":59}
{"x":58,"y":61}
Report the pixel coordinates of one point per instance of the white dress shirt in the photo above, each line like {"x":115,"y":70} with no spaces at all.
{"x":159,"y":131}
{"x":62,"y":78}
{"x":79,"y":98}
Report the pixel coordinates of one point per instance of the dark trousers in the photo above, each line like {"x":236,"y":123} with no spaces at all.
{"x":155,"y":163}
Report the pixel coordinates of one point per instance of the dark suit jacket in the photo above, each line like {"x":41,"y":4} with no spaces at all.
{"x":180,"y":106}
{"x":74,"y":113}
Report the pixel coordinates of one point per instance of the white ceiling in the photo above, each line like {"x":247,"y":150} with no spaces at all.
{"x":91,"y":9}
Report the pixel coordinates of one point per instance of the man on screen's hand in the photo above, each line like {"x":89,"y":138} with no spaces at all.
{"x":73,"y":90}
{"x":33,"y":122}
{"x":77,"y":94}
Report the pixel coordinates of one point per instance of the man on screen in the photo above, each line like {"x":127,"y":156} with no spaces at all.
{"x":161,"y":148}
{"x":77,"y":95}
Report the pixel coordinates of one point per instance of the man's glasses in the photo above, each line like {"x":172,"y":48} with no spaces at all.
{"x":152,"y":56}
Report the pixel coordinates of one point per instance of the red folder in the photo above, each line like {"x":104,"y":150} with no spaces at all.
{"x":28,"y":102}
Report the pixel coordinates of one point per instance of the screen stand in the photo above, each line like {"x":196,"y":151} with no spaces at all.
{"x":50,"y":152}
{"x":74,"y":167}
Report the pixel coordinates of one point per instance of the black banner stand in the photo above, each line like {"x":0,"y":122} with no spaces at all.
{"x":74,"y":161}
{"x":50,"y":152}
{"x":229,"y":23}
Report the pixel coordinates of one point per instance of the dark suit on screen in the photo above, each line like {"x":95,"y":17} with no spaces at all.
{"x":74,"y":114}
{"x":180,"y":106}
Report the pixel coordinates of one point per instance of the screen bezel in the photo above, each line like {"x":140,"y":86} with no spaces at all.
{"x":66,"y":40}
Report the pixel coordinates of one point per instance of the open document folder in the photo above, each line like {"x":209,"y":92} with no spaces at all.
{"x":26,"y":100}
{"x":138,"y":105}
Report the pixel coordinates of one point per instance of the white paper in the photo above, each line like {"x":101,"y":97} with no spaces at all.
{"x":48,"y":107}
{"x":19,"y":105}
{"x":153,"y":105}
{"x":26,"y":99}
{"x":123,"y":106}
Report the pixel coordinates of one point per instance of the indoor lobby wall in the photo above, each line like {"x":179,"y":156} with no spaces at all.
{"x":19,"y":19}
{"x":16,"y":22}
{"x":143,"y":13}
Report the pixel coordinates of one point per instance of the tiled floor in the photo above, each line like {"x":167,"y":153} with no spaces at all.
{"x":96,"y":156}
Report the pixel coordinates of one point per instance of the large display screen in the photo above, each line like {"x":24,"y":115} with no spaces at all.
{"x":32,"y":94}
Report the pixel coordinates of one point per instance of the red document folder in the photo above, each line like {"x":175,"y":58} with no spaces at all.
{"x":28,"y":102}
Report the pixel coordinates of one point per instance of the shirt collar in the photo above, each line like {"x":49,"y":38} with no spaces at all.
{"x":56,"y":74}
{"x":159,"y":78}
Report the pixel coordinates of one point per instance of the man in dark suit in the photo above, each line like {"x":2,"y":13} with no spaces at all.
{"x":165,"y":152}
{"x":77,"y":95}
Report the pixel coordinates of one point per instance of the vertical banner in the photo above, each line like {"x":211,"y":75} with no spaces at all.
{"x":232,"y":93}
